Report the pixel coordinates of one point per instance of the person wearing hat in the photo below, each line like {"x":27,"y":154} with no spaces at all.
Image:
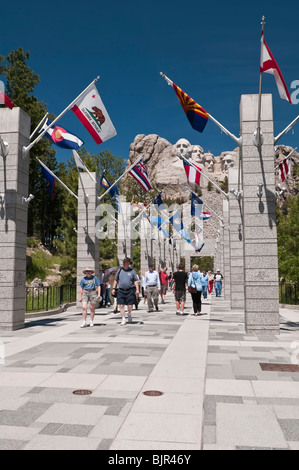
{"x":218,"y":283}
{"x":128,"y":289}
{"x":152,"y":287}
{"x":90,"y":291}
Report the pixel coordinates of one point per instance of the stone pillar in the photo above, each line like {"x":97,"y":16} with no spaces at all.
{"x":260,"y":235}
{"x":236,"y":254}
{"x":124,"y":235}
{"x":226,"y":251}
{"x":14,"y":179}
{"x":88,"y":244}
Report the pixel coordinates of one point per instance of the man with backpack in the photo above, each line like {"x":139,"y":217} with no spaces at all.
{"x":128,"y":289}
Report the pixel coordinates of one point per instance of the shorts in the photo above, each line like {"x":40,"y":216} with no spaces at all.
{"x":163,"y":289}
{"x":126,"y":297}
{"x":90,"y":296}
{"x":180,"y":295}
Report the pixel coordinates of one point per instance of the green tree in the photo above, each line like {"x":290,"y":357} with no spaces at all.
{"x":43,"y":216}
{"x":288,"y":240}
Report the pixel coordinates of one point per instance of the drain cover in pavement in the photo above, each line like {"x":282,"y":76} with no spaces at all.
{"x":268,"y":366}
{"x":82,"y":392}
{"x":153,"y":393}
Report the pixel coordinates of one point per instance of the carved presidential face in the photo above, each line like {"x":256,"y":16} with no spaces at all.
{"x":197,"y":154}
{"x":229,"y":161}
{"x":183,"y":147}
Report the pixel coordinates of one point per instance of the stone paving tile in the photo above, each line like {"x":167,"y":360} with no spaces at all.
{"x":39,"y":410}
{"x":246,"y":408}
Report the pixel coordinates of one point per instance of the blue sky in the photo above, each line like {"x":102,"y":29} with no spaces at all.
{"x":210,"y":49}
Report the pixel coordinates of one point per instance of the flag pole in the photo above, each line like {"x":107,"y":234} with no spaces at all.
{"x":56,"y":177}
{"x":39,"y":125}
{"x":25,"y":150}
{"x":76,"y":156}
{"x":286,"y":129}
{"x":226,"y":131}
{"x":115,"y":182}
{"x":205,"y":176}
{"x":258,"y":142}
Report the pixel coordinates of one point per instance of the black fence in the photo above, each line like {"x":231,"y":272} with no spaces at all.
{"x":41,"y":299}
{"x":288,"y":293}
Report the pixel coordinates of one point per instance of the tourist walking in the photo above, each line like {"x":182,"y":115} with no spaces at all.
{"x":180,"y":280}
{"x":152,"y":288}
{"x":218,"y":278}
{"x":164,"y":278}
{"x":90,"y":292}
{"x":205,"y":281}
{"x":195,"y":282}
{"x":128,"y":289}
{"x":211,"y":281}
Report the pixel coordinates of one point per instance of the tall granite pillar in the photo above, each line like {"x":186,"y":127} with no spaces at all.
{"x":236,"y":255}
{"x":124,"y":231}
{"x":226,"y":251}
{"x":88,"y":243}
{"x":14,"y":180}
{"x":260,"y":235}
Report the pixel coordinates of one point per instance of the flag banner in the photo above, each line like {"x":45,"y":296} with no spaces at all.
{"x":196,"y":205}
{"x":105,"y":184}
{"x":139,"y":172}
{"x":178,"y":225}
{"x":284,"y":168}
{"x":205,"y":215}
{"x":61,"y":137}
{"x":196,"y":115}
{"x":49,"y":181}
{"x":157,"y":201}
{"x":92,"y":113}
{"x":4,"y":99}
{"x":193,"y":175}
{"x":269,"y":65}
{"x":198,"y":242}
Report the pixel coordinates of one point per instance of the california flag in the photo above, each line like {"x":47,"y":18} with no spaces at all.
{"x":89,"y":108}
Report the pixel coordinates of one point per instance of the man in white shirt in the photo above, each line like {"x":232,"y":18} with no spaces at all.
{"x":152,"y":288}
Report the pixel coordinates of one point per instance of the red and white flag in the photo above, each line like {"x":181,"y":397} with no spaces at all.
{"x":4,"y":99}
{"x":139,"y":172}
{"x":90,"y":110}
{"x":269,"y":65}
{"x":284,"y":168}
{"x":193,"y":174}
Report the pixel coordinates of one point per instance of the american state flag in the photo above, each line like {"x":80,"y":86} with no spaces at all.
{"x":139,"y":172}
{"x":284,"y":168}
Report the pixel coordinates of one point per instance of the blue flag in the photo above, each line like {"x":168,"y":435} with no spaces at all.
{"x":178,"y":225}
{"x":50,"y":182}
{"x":105,"y":184}
{"x":61,"y":137}
{"x":196,"y":205}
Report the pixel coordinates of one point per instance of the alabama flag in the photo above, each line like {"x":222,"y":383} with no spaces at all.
{"x":90,"y":110}
{"x":284,"y":168}
{"x":193,"y":172}
{"x":269,"y":65}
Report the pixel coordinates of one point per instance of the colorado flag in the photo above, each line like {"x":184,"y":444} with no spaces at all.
{"x":61,"y":137}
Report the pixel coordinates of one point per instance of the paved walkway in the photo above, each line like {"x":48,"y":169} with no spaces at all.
{"x":215,"y":394}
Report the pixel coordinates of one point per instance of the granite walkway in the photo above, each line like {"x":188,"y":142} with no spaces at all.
{"x":214,"y":393}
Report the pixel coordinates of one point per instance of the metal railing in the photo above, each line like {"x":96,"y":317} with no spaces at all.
{"x":41,"y":299}
{"x":288,"y":293}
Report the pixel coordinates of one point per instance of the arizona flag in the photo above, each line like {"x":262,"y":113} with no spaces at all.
{"x":196,"y":115}
{"x":61,"y":137}
{"x":4,"y":99}
{"x":139,"y":172}
{"x":193,"y":174}
{"x":269,"y":65}
{"x":92,"y":113}
{"x":284,"y":168}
